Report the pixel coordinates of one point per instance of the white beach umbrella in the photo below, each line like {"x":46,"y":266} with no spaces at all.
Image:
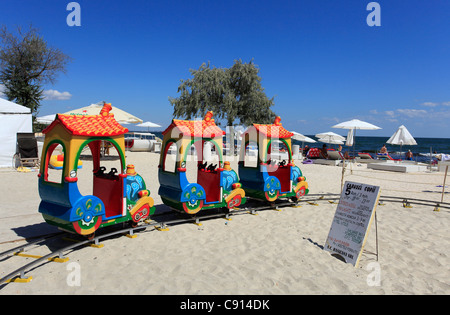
{"x":402,"y":137}
{"x":356,"y":124}
{"x":330,"y":136}
{"x":148,"y":124}
{"x":121,"y":116}
{"x":298,"y":136}
{"x":350,"y":139}
{"x":302,"y":138}
{"x":353,"y":125}
{"x":331,"y":141}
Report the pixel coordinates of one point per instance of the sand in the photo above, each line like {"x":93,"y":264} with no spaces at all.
{"x":274,"y":252}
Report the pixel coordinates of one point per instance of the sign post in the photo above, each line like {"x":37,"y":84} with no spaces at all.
{"x":352,"y":220}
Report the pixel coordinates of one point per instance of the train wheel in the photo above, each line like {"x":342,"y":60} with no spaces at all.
{"x":300,"y":193}
{"x":235,"y":202}
{"x":87,"y":228}
{"x":141,"y":214}
{"x":193,"y":208}
{"x":272,"y":195}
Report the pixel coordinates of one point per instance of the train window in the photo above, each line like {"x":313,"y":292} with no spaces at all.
{"x":170,"y":158}
{"x":251,"y":154}
{"x":109,"y":165}
{"x":278,"y":151}
{"x":210,"y":153}
{"x":54,"y":164}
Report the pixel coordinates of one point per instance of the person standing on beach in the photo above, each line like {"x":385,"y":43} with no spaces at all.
{"x":409,"y":155}
{"x":324,"y":152}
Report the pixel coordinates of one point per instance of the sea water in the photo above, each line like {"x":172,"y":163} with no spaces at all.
{"x":372,"y":145}
{"x":421,"y":151}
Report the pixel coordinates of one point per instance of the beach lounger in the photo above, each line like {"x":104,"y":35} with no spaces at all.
{"x":386,"y":156}
{"x":365,"y":156}
{"x":27,"y":151}
{"x":335,"y":155}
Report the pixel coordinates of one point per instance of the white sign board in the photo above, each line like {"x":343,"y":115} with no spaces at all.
{"x":352,"y":221}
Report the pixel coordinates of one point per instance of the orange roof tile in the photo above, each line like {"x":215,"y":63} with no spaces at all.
{"x":275,"y":130}
{"x":205,"y":128}
{"x":103,"y":124}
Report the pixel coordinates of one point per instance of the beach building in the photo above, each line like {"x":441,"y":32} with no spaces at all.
{"x":14,"y":119}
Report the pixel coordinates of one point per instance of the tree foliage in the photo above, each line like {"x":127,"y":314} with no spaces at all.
{"x":231,"y":93}
{"x":26,"y":64}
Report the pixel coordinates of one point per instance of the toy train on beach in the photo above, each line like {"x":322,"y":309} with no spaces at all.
{"x":265,"y":173}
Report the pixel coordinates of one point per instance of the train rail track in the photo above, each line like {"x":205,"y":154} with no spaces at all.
{"x":19,"y":275}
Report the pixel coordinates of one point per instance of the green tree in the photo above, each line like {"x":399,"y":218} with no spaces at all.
{"x":231,"y":93}
{"x":26,"y":64}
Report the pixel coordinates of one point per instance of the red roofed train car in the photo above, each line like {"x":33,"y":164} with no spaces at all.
{"x":198,"y":145}
{"x":117,"y":195}
{"x":266,"y":167}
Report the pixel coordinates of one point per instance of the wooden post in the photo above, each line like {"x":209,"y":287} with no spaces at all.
{"x":376,"y":233}
{"x":431,"y":158}
{"x":443,"y":185}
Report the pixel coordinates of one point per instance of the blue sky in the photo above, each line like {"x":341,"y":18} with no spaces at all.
{"x":318,"y":58}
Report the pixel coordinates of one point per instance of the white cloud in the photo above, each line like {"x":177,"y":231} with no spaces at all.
{"x":434,"y":104}
{"x":412,"y":113}
{"x":56,"y":95}
{"x":430,"y":104}
{"x":48,"y":94}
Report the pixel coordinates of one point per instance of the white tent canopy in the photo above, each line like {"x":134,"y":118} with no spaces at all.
{"x":46,"y":120}
{"x":14,"y":118}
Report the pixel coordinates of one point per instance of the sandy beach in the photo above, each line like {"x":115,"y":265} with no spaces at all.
{"x":274,"y":252}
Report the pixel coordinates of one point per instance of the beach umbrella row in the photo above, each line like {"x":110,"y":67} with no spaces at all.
{"x":400,"y":137}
